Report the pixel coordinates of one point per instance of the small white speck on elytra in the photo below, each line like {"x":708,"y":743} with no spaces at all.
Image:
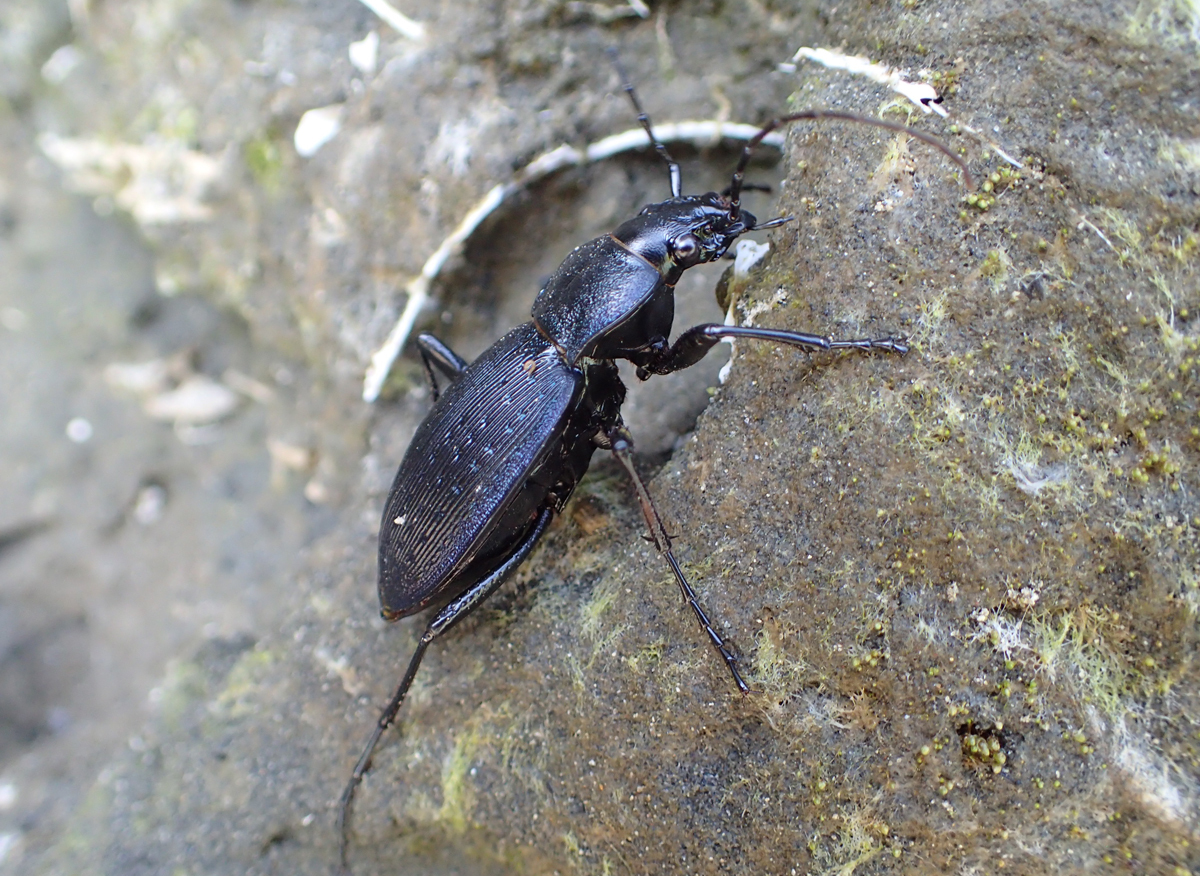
{"x":399,"y":521}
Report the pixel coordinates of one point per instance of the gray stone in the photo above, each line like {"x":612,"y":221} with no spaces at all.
{"x":964,"y":584}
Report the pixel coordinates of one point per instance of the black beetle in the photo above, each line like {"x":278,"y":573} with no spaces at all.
{"x":507,"y":441}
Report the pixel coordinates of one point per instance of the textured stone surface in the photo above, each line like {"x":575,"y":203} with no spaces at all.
{"x":964,"y":584}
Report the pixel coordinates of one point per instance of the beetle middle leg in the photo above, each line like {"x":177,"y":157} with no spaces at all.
{"x":436,"y":353}
{"x":620,"y":442}
{"x":691,"y":346}
{"x":448,"y":616}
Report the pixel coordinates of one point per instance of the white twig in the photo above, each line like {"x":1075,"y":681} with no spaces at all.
{"x":398,"y":21}
{"x":920,"y":93}
{"x":418,"y":291}
{"x":1084,"y":223}
{"x":701,"y":133}
{"x":995,"y":146}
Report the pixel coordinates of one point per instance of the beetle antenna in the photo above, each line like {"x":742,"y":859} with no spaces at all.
{"x":644,"y":120}
{"x":735,"y":188}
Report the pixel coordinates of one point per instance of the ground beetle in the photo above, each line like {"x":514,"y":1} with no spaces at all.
{"x":514,"y":431}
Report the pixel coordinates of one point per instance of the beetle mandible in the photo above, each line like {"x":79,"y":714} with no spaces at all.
{"x":507,"y":441}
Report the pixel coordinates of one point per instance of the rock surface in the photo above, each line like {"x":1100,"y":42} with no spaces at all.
{"x":964,"y":584}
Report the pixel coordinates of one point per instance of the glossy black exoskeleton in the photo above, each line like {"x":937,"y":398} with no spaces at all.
{"x":514,"y":431}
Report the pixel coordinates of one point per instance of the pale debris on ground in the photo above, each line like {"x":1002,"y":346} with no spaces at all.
{"x":158,"y":183}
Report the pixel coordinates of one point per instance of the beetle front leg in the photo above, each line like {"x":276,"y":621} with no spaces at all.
{"x":691,"y":346}
{"x":447,"y":617}
{"x":435,"y":352}
{"x":620,"y":442}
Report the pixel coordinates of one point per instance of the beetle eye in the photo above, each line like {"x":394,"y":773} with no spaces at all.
{"x":686,"y":250}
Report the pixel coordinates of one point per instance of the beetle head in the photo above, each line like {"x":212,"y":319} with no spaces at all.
{"x":677,"y":234}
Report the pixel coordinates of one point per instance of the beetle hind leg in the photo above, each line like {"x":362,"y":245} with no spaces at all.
{"x":620,"y":443}
{"x":446,"y":617}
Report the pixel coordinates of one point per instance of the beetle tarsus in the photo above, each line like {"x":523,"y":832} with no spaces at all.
{"x":884,"y":345}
